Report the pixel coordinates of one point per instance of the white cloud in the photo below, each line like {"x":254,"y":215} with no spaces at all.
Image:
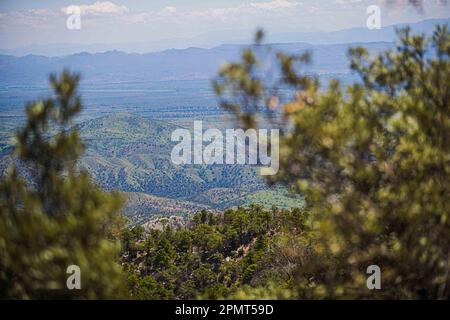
{"x":101,"y":8}
{"x":246,"y":12}
{"x":170,"y":9}
{"x":111,"y":21}
{"x":275,"y":4}
{"x":347,"y":1}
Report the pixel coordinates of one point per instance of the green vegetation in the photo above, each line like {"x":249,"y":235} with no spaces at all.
{"x":131,"y":153}
{"x":140,"y":207}
{"x":58,"y":218}
{"x":373,"y":161}
{"x":267,"y":198}
{"x":215,"y":255}
{"x":370,"y":163}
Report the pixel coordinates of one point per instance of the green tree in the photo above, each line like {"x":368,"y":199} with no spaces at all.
{"x":56,"y":218}
{"x":372,"y":159}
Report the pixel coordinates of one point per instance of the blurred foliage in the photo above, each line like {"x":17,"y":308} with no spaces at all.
{"x":58,"y":218}
{"x":372,"y":160}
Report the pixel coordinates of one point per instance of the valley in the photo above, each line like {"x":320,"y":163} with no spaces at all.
{"x":131,"y":153}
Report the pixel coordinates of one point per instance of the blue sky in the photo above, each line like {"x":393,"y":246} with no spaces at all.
{"x":24,"y":22}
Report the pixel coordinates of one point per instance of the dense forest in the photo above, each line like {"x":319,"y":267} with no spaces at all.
{"x":372,"y":161}
{"x":216,"y":255}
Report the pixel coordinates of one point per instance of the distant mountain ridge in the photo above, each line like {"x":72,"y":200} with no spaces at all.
{"x":213,"y":39}
{"x":173,"y":64}
{"x":362,"y":34}
{"x":195,"y":63}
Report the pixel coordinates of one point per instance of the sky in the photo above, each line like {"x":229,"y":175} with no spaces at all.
{"x":25,"y":22}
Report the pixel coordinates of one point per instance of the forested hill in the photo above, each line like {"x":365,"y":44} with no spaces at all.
{"x":131,"y":153}
{"x":217,"y":256}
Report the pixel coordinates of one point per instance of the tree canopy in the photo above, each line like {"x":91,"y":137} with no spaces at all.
{"x":372,"y":159}
{"x":56,"y":217}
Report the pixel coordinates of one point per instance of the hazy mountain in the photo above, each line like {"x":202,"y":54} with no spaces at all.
{"x":363,"y":34}
{"x":174,"y":64}
{"x":216,"y":38}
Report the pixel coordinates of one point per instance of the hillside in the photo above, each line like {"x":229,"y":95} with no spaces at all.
{"x":140,"y":206}
{"x":131,"y":153}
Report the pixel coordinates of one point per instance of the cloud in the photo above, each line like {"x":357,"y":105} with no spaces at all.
{"x":100,"y":8}
{"x":243,"y":13}
{"x":170,"y":9}
{"x":347,"y":1}
{"x":112,"y":21}
{"x":275,"y":4}
{"x":418,"y":4}
{"x":246,"y":12}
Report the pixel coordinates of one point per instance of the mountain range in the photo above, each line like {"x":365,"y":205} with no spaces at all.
{"x":217,"y":38}
{"x":174,"y":64}
{"x":196,"y":63}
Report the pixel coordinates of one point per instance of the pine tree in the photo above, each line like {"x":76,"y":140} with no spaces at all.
{"x":373,"y":161}
{"x":58,"y":217}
